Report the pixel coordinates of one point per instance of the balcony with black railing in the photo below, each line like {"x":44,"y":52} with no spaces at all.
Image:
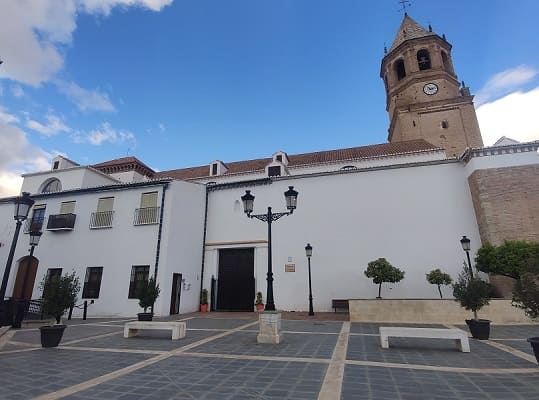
{"x":61,"y":222}
{"x":100,"y":220}
{"x":146,"y":216}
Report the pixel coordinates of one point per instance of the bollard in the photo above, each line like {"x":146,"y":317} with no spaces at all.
{"x":85,"y":310}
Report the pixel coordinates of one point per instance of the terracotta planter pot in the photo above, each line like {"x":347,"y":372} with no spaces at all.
{"x":534,"y":341}
{"x":145,"y":316}
{"x":480,"y":328}
{"x":51,"y":335}
{"x":259,"y":307}
{"x":203,"y":308}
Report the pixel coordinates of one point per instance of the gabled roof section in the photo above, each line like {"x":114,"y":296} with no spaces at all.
{"x":306,"y":159}
{"x":125,"y":164}
{"x":409,"y":29}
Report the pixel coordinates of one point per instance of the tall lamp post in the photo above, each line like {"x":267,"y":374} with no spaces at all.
{"x":248,"y":199}
{"x":465,"y":242}
{"x":22,"y":207}
{"x":309,"y":253}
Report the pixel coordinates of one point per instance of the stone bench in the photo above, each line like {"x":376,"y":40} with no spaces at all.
{"x":178,"y":328}
{"x":460,"y":336}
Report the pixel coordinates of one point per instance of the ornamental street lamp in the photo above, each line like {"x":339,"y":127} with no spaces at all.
{"x":22,"y":207}
{"x":309,"y":253}
{"x":34,"y":241}
{"x":465,"y":242}
{"x":248,"y":199}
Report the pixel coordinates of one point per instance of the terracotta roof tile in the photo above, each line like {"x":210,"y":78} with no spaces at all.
{"x":124,"y":164}
{"x":353,"y":153}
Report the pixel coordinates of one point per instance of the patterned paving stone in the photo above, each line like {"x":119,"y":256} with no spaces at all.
{"x":147,"y":340}
{"x":521,"y":345}
{"x":375,"y":383}
{"x":70,"y":333}
{"x":216,"y":323}
{"x":436,"y":352}
{"x":511,"y":331}
{"x":311,"y":326}
{"x":34,"y":373}
{"x":293,"y":345}
{"x":205,"y":378}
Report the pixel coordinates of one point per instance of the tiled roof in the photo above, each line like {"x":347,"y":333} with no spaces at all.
{"x":124,"y":164}
{"x":409,"y":29}
{"x":353,"y":153}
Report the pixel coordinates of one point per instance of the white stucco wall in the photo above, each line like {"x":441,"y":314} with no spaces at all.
{"x":115,"y":249}
{"x":70,"y":178}
{"x":502,"y":160}
{"x":414,"y":217}
{"x":181,"y":246}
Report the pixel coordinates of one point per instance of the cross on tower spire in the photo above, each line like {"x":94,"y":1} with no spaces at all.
{"x":404,"y":4}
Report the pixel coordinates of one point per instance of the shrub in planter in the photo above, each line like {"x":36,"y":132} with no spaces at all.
{"x":259,"y":303}
{"x":382,"y":271}
{"x":204,"y":300}
{"x":146,"y":294}
{"x":473,"y":293}
{"x":59,"y":294}
{"x":438,"y":278}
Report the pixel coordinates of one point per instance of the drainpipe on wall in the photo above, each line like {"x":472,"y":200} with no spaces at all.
{"x":204,"y":243}
{"x":158,"y":250}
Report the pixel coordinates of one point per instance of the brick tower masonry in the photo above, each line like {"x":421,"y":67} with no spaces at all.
{"x":424,"y":98}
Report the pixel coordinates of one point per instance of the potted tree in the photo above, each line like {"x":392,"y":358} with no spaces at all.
{"x":204,"y":300}
{"x":382,"y":271}
{"x":59,"y":294}
{"x":259,"y":303}
{"x":146,"y":294}
{"x":473,"y":293}
{"x":438,"y":278}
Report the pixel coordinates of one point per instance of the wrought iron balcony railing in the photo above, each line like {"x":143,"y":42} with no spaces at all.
{"x":146,"y":216}
{"x":61,"y":222}
{"x":101,"y":220}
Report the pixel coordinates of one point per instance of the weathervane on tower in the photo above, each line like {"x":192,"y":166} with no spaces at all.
{"x":404,"y":4}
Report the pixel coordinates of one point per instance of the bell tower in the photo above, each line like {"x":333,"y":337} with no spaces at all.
{"x":424,"y":99}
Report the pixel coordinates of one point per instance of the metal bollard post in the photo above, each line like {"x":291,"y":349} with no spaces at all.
{"x":85,"y":310}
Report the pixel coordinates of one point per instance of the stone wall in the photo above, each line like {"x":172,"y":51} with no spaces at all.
{"x":430,"y":311}
{"x":506,"y":203}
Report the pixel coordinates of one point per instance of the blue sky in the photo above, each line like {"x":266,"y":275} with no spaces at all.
{"x":182,"y":83}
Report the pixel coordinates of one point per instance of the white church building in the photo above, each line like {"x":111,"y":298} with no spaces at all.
{"x":409,"y":200}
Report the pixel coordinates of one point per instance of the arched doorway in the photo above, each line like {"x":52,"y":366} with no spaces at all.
{"x":26,"y":276}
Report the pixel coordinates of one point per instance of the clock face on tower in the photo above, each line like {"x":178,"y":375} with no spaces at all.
{"x":430,"y":88}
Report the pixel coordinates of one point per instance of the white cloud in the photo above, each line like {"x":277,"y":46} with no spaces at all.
{"x":84,"y":99}
{"x":16,"y":90}
{"x":162,"y":127}
{"x":504,"y":82}
{"x":513,"y":116}
{"x":104,"y":6}
{"x":7,"y":117}
{"x":36,"y":33}
{"x":53,"y":126}
{"x":104,"y":133}
{"x":18,"y":156}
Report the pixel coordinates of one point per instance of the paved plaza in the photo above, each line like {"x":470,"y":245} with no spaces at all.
{"x":320,"y":358}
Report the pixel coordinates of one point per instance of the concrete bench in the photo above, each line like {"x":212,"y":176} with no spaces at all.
{"x":460,"y":336}
{"x":178,"y":328}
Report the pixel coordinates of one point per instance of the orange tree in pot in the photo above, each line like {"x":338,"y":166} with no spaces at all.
{"x":147,"y":293}
{"x":59,"y":294}
{"x":204,"y":300}
{"x":473,"y":293}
